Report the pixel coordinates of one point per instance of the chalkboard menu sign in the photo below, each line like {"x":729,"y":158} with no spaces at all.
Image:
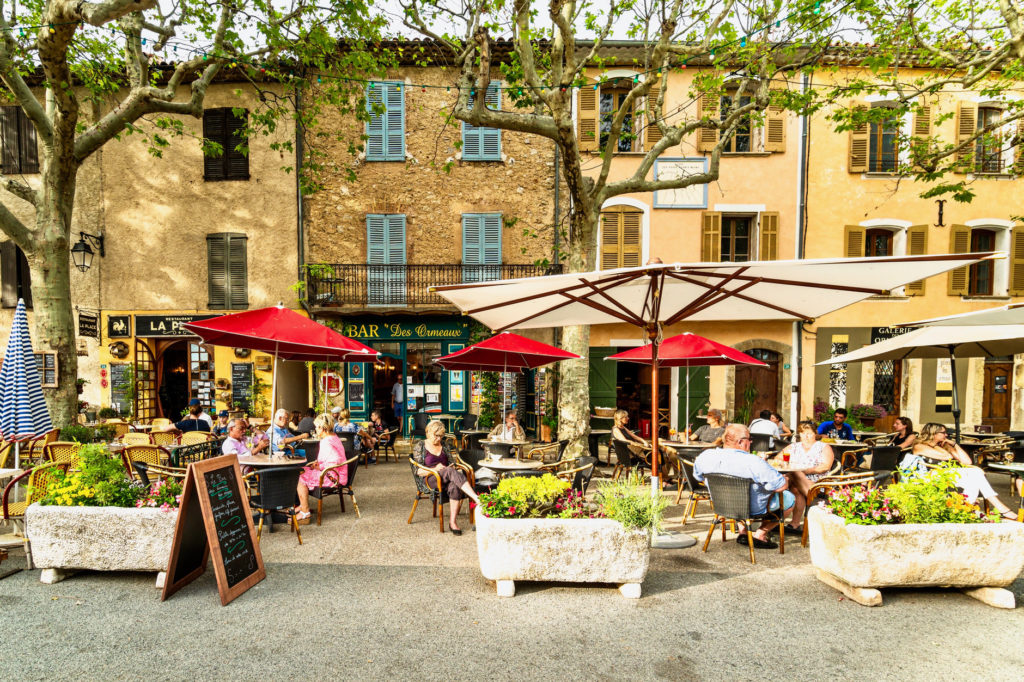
{"x":214,"y":519}
{"x":118,"y":386}
{"x":241,"y":383}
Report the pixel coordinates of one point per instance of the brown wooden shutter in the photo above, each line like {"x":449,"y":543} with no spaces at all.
{"x":959,"y":242}
{"x":217,"y":269}
{"x":1017,"y":261}
{"x":769,"y":237}
{"x":653,"y":131}
{"x":966,"y":127}
{"x":8,"y":274}
{"x":923,"y":121}
{"x":917,"y":245}
{"x":28,"y":152}
{"x":611,"y":239}
{"x":587,"y":114}
{"x":631,"y":238}
{"x":775,"y":128}
{"x":9,"y":130}
{"x":214,"y":127}
{"x":859,"y":137}
{"x":237,"y":162}
{"x":853,"y":237}
{"x":711,"y":237}
{"x":1018,"y":148}
{"x":238,"y":289}
{"x":707,"y":107}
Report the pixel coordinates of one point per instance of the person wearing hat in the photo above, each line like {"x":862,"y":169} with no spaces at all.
{"x":336,"y":415}
{"x":221,"y":427}
{"x":202,"y":412}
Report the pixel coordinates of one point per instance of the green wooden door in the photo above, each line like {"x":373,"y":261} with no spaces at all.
{"x":700,"y":393}
{"x":603,"y":392}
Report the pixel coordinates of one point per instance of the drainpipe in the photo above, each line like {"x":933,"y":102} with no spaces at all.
{"x":299,"y":216}
{"x":796,"y":377}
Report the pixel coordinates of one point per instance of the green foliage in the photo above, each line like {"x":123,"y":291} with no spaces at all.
{"x":490,"y":396}
{"x":107,"y":413}
{"x":933,"y":498}
{"x":862,"y":506}
{"x":78,"y":434}
{"x":631,"y":503}
{"x":101,"y":481}
{"x":743,"y":413}
{"x":128,"y":388}
{"x":104,"y":434}
{"x":258,"y":395}
{"x":544,"y":496}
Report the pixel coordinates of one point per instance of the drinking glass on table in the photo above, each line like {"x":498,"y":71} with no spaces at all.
{"x":785,"y":457}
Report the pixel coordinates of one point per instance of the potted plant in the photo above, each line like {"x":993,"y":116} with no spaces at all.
{"x":80,"y":385}
{"x":107,"y":413}
{"x":919,"y":532}
{"x":536,"y":528}
{"x":96,"y":518}
{"x":549,"y":423}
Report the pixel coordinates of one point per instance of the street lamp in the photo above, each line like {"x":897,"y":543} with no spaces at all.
{"x":82,"y":253}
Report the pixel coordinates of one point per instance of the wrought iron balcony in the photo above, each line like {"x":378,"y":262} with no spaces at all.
{"x":337,"y":285}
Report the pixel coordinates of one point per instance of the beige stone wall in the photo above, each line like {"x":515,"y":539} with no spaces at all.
{"x":521,"y":187}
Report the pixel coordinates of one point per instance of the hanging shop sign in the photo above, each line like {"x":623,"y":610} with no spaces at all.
{"x":386,"y":329}
{"x":883,"y":333}
{"x":119,"y":326}
{"x":88,"y":324}
{"x":151,"y":326}
{"x":330,"y":383}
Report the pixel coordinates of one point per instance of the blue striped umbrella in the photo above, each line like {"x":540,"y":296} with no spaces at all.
{"x":23,"y":412}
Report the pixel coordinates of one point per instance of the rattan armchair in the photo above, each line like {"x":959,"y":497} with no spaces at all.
{"x":626,"y":459}
{"x":157,"y":471}
{"x":580,"y":475}
{"x":40,"y":479}
{"x":62,"y":451}
{"x":6,"y":450}
{"x":275,"y":492}
{"x":136,"y":438}
{"x":386,"y":443}
{"x":884,"y":439}
{"x":120,"y":428}
{"x":848,"y":460}
{"x":731,"y":502}
{"x":545,"y":453}
{"x":164,"y":438}
{"x":160,"y":423}
{"x":149,"y":454}
{"x":330,"y":484}
{"x":193,"y":437}
{"x":437,"y":494}
{"x":32,"y":449}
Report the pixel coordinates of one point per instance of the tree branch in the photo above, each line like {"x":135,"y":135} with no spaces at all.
{"x":18,"y":189}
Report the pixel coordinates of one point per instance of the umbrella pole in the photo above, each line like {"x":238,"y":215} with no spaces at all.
{"x":655,"y":488}
{"x":686,"y":408}
{"x":956,"y":396}
{"x":273,"y":386}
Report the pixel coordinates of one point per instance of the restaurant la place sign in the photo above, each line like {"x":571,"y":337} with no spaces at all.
{"x":165,"y":325}
{"x":387,"y":329}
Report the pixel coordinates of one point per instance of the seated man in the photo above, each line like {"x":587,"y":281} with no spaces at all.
{"x":510,"y":429}
{"x":279,"y":435}
{"x":734,"y":459}
{"x":837,"y":428}
{"x":764,"y":425}
{"x":234,"y":444}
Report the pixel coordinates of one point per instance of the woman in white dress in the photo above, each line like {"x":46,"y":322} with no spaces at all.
{"x":815,"y":458}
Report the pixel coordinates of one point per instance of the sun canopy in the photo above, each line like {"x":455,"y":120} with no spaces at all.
{"x":936,"y":342}
{"x":697,"y":292}
{"x":281,"y":332}
{"x":1007,"y":314}
{"x":506,"y":352}
{"x":23,"y":412}
{"x":687,"y":350}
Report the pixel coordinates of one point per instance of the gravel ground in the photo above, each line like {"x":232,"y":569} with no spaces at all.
{"x":376,"y":597}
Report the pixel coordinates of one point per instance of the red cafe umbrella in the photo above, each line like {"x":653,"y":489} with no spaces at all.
{"x":504,"y":353}
{"x":283,"y":333}
{"x":687,"y":350}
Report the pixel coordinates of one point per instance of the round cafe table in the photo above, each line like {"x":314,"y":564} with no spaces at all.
{"x":270,"y":461}
{"x":507,"y":466}
{"x":784,"y":468}
{"x":502,"y":447}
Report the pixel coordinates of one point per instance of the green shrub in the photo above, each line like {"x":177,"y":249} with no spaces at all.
{"x":630,"y":502}
{"x":933,"y":498}
{"x":78,"y":434}
{"x":105,"y":434}
{"x":101,"y":481}
{"x":525,"y":496}
{"x":107,"y":413}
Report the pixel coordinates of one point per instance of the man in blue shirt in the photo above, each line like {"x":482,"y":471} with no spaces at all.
{"x":837,"y":428}
{"x":280,"y":436}
{"x":734,"y":459}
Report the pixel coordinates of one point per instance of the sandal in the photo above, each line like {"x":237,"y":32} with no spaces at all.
{"x":1009,"y":515}
{"x":302,"y":518}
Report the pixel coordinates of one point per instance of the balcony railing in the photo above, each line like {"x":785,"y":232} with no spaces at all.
{"x":402,"y":285}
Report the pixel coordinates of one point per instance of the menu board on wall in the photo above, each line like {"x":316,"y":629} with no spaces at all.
{"x":119,"y":386}
{"x":241,"y":383}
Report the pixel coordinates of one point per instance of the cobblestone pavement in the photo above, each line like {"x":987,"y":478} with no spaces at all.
{"x":374,"y":597}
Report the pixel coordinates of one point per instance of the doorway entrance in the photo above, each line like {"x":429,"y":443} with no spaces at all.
{"x":757,"y":388}
{"x":633,"y":389}
{"x":995,"y":409}
{"x":173,"y":391}
{"x":385,"y":373}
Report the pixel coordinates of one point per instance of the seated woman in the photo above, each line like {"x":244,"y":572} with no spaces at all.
{"x":191,"y":423}
{"x":905,"y":436}
{"x":638,"y":446}
{"x":332,"y":452}
{"x":784,"y":430}
{"x":933,"y":444}
{"x":712,"y":431}
{"x":808,"y":453}
{"x":433,"y":454}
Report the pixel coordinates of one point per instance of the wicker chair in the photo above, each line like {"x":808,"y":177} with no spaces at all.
{"x":32,"y":449}
{"x":275,"y":492}
{"x":884,"y":439}
{"x":62,"y":451}
{"x":149,"y":454}
{"x":193,"y":437}
{"x":435,"y":495}
{"x":580,"y":475}
{"x":6,"y":451}
{"x":136,"y":438}
{"x":163,"y":438}
{"x":626,"y":459}
{"x":730,"y":496}
{"x":848,"y":460}
{"x":144,"y":471}
{"x":698,"y":491}
{"x":330,"y":475}
{"x":120,"y":428}
{"x":39,"y":480}
{"x":545,"y":453}
{"x":160,"y":423}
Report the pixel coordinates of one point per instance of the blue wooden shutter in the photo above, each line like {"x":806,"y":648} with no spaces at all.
{"x":396,"y":258}
{"x":481,"y":247}
{"x":395,"y":122}
{"x":483,"y":144}
{"x":385,"y":257}
{"x":472,"y":227}
{"x":375,"y":127}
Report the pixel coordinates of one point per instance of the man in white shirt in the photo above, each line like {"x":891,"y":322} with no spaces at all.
{"x":510,"y":429}
{"x":234,"y":444}
{"x":202,"y":415}
{"x":764,"y":424}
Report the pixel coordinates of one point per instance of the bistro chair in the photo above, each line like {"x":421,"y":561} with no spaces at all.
{"x":40,"y":479}
{"x":761,"y":442}
{"x":6,"y":451}
{"x":121,"y":429}
{"x":147,"y":472}
{"x":136,"y":438}
{"x":730,"y":496}
{"x":884,"y":439}
{"x":546,"y":453}
{"x":62,"y":451}
{"x":193,"y":437}
{"x":386,"y":443}
{"x":330,"y":485}
{"x":698,"y":491}
{"x":626,"y":459}
{"x":148,"y":454}
{"x":163,"y":438}
{"x":849,"y":459}
{"x":435,"y":495}
{"x":419,"y":425}
{"x":348,"y":441}
{"x":451,"y":441}
{"x":32,"y":448}
{"x":580,"y":475}
{"x":160,"y":423}
{"x":275,"y":492}
{"x":469,"y":421}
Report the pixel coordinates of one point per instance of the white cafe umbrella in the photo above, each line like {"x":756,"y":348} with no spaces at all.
{"x":650,"y":296}
{"x":942,"y":342}
{"x":1006,"y":314}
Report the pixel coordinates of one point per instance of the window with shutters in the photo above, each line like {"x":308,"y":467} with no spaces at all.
{"x":980,"y":276}
{"x":481,"y":247}
{"x":988,"y":148}
{"x":483,"y":144}
{"x":878,"y":242}
{"x":621,"y":237}
{"x":20,"y":149}
{"x":735,"y":244}
{"x":742,"y":140}
{"x":227,"y":266}
{"x":385,"y":130}
{"x":226,"y":127}
{"x":15,"y":281}
{"x":611,"y":100}
{"x":883,"y":154}
{"x":385,"y":257}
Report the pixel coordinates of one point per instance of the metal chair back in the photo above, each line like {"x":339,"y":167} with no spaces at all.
{"x":730,"y":495}
{"x":562,"y":445}
{"x":761,"y":442}
{"x":885,"y":457}
{"x":622,"y":454}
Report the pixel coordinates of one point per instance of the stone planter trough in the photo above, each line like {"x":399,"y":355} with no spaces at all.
{"x":562,"y":550}
{"x":65,"y":539}
{"x":981,"y":558}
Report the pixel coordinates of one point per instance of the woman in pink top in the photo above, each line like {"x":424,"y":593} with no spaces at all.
{"x":332,"y":452}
